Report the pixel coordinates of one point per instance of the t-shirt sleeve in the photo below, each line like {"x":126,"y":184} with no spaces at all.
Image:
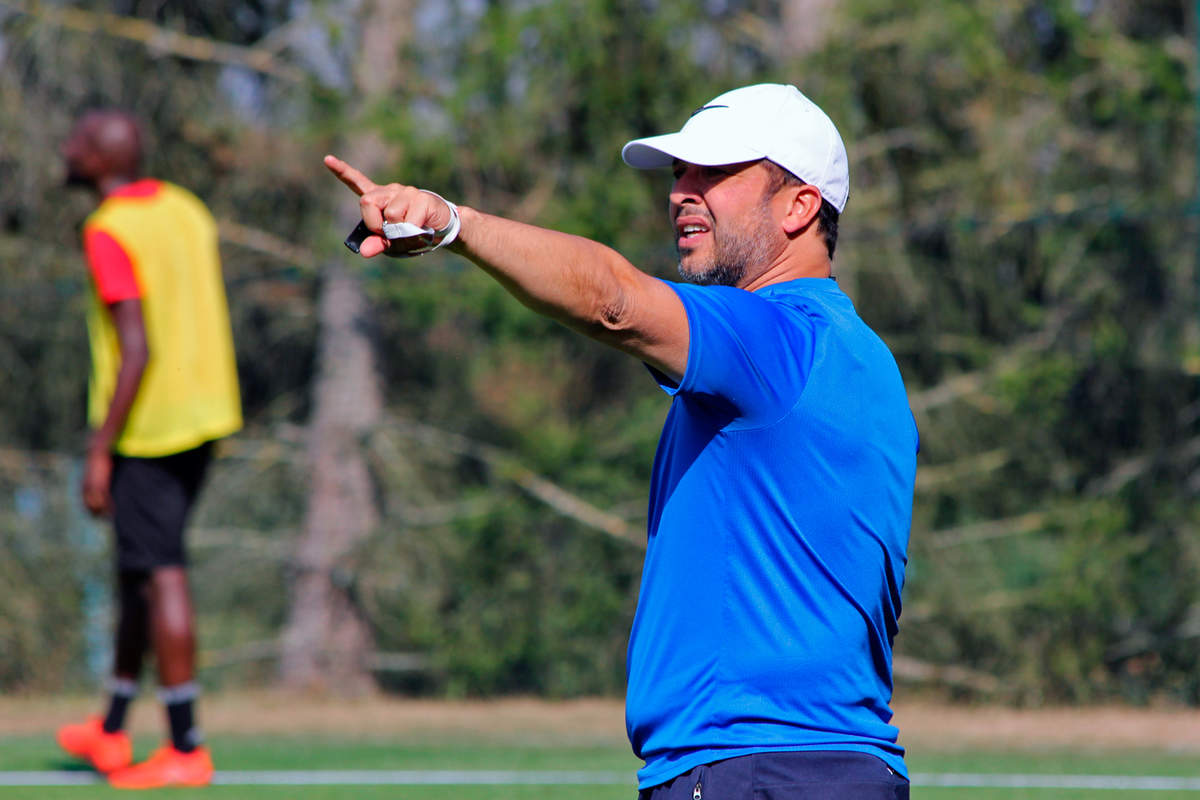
{"x":111,"y":269}
{"x":745,"y":351}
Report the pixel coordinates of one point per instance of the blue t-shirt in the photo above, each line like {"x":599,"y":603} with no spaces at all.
{"x":780,"y":508}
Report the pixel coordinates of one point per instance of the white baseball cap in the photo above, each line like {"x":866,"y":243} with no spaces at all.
{"x":774,"y":121}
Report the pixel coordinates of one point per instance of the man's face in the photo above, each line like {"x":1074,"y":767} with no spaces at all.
{"x":723,"y":226}
{"x":79,"y":154}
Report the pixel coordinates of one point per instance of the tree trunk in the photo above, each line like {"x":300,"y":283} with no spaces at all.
{"x":327,"y":643}
{"x":805,"y":23}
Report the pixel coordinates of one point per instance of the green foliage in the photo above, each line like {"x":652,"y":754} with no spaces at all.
{"x":1033,"y":157}
{"x":45,"y":567}
{"x":1018,"y":231}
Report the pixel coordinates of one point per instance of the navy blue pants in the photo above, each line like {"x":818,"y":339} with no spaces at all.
{"x":824,"y":775}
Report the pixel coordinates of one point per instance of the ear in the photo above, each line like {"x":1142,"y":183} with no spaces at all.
{"x":804,"y":201}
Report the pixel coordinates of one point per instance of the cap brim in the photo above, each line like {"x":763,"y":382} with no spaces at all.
{"x":653,"y":152}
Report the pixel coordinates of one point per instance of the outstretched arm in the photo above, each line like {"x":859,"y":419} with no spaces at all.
{"x":579,"y":282}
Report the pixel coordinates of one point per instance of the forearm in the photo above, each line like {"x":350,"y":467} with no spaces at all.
{"x":579,"y":282}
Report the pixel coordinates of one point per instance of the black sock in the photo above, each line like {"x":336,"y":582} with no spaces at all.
{"x":182,"y":719}
{"x":123,"y":691}
{"x":179,"y":701}
{"x":114,"y":720}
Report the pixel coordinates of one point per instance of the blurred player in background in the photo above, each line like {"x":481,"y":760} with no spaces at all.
{"x":760,"y":662}
{"x":163,"y":387}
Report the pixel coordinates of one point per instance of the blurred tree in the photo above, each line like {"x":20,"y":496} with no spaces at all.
{"x":56,"y":61}
{"x":327,"y":640}
{"x":1020,"y":169}
{"x":1037,"y":287}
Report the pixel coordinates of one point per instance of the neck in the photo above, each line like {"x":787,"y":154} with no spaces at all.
{"x":110,"y":183}
{"x":802,"y":259}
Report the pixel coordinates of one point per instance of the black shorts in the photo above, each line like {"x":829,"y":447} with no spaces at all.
{"x":152,"y":498}
{"x":807,"y":775}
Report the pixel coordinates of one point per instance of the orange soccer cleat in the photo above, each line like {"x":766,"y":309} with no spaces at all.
{"x":89,"y":741}
{"x":166,"y":767}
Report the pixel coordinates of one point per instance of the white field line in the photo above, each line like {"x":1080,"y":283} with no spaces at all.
{"x":1138,"y":783}
{"x":357,"y":777}
{"x":423,"y":777}
{"x":60,"y":778}
{"x":367,"y":777}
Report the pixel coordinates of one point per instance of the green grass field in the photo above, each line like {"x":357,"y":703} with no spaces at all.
{"x":447,"y":745}
{"x":344,"y":753}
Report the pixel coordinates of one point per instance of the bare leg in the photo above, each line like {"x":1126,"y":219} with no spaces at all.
{"x":171,"y":620}
{"x":172,"y":624}
{"x":133,"y":624}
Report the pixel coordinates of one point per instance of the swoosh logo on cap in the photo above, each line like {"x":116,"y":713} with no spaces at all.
{"x":705,"y":108}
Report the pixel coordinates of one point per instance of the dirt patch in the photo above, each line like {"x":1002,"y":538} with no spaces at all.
{"x":948,"y":728}
{"x":589,"y":721}
{"x":923,"y":725}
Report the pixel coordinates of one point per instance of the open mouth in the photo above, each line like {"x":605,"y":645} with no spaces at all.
{"x":690,"y":231}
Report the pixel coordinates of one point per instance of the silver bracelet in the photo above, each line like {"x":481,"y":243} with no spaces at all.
{"x":433,"y":239}
{"x":449,"y":233}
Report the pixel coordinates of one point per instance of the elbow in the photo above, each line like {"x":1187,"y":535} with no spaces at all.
{"x":618,"y":303}
{"x":613,"y":315}
{"x":602,"y":299}
{"x":613,"y":312}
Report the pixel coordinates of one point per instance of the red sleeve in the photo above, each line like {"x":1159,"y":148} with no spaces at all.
{"x":110,"y":266}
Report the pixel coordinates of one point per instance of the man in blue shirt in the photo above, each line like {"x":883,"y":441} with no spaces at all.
{"x":760,"y":662}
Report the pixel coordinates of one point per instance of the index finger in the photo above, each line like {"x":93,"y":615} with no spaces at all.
{"x":359,"y":184}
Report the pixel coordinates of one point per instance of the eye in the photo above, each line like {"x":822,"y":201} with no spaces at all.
{"x":710,"y":174}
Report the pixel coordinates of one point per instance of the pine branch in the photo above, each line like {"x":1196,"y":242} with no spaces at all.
{"x":971,"y":533}
{"x":907,"y":668}
{"x":260,"y":241}
{"x":159,"y":40}
{"x":538,"y":487}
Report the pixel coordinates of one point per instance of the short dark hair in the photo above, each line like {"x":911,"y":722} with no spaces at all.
{"x":827,"y":217}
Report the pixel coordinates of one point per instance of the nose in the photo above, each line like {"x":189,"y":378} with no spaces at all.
{"x":685,"y":189}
